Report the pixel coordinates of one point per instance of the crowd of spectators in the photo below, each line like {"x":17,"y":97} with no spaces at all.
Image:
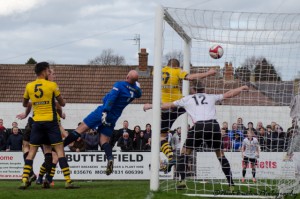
{"x":271,"y":137}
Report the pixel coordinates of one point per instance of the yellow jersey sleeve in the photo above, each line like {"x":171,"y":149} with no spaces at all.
{"x":26,"y":95}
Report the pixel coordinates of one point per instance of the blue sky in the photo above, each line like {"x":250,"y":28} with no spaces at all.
{"x":73,"y":32}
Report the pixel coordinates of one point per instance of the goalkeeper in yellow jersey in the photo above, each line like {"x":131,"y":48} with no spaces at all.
{"x":172,"y":75}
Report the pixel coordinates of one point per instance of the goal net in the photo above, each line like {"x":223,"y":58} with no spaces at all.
{"x":261,"y":50}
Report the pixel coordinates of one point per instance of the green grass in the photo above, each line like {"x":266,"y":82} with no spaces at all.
{"x":101,"y":189}
{"x":91,"y":189}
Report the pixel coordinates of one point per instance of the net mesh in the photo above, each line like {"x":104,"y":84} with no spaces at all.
{"x":261,"y":51}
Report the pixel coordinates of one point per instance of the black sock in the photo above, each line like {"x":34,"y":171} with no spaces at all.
{"x":48,"y":162}
{"x":182,"y":161}
{"x":226,"y":169}
{"x":244,"y":172}
{"x":108,"y":151}
{"x":71,"y":138}
{"x":25,"y":155}
{"x":253,"y":172}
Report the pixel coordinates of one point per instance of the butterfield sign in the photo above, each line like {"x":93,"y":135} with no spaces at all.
{"x":85,"y":166}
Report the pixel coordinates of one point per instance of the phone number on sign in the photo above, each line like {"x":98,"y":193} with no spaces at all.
{"x":121,"y":172}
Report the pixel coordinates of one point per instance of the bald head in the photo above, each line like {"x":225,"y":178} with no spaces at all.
{"x":132,"y":77}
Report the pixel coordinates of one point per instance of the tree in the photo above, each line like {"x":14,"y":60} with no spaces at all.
{"x":260,"y":66}
{"x":265,"y":71}
{"x":243,"y":73}
{"x":31,"y":61}
{"x":176,"y":54}
{"x":108,"y":58}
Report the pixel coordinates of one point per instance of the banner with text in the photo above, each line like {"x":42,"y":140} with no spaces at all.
{"x":86,"y":165}
{"x":269,"y":166}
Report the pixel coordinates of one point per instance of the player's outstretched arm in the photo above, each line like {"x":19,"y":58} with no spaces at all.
{"x":235,"y":92}
{"x":164,"y":106}
{"x":22,"y":116}
{"x":201,"y":75}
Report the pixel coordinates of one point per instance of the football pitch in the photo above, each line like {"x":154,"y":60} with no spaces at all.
{"x":124,"y":189}
{"x":88,"y":189}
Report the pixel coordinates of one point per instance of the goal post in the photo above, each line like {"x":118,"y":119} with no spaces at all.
{"x":261,"y":50}
{"x":155,"y":141}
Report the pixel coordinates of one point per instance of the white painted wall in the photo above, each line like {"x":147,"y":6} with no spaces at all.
{"x":136,"y":116}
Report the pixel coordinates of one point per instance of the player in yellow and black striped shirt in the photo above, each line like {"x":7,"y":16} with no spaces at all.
{"x":172,"y":75}
{"x":45,"y":129}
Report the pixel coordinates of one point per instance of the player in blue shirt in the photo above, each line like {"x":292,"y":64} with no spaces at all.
{"x":106,"y":115}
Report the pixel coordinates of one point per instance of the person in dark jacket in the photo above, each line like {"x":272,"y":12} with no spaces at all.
{"x":14,"y":142}
{"x":125,"y":142}
{"x":91,"y":139}
{"x":141,"y":142}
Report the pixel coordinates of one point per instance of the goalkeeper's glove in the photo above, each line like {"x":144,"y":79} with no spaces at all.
{"x":138,"y":84}
{"x":103,"y":119}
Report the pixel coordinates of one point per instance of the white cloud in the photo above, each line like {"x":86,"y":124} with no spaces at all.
{"x":10,"y":7}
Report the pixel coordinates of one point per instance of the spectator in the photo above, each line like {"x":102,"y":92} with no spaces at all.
{"x":118,"y":134}
{"x":225,"y":139}
{"x":148,"y":145}
{"x":234,"y":131}
{"x":148,"y":131}
{"x":125,"y":142}
{"x":262,"y":139}
{"x":240,"y":126}
{"x":140,"y":142}
{"x":225,"y":125}
{"x":136,"y":134}
{"x":14,"y":124}
{"x":250,"y":127}
{"x":14,"y":142}
{"x":175,"y":142}
{"x":258,"y":126}
{"x":269,"y":136}
{"x":3,"y":133}
{"x":78,"y":145}
{"x":273,"y":124}
{"x":169,"y":137}
{"x":2,"y":142}
{"x":91,"y":139}
{"x":237,"y":142}
{"x":278,"y":139}
{"x":292,"y":128}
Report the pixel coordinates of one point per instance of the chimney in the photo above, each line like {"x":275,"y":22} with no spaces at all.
{"x":296,"y":86}
{"x":143,"y":59}
{"x":228,"y":72}
{"x":252,"y":77}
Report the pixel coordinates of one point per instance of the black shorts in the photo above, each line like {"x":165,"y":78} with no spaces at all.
{"x":45,"y":133}
{"x":27,"y":131}
{"x":168,"y":117}
{"x":204,"y":132}
{"x":246,"y":160}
